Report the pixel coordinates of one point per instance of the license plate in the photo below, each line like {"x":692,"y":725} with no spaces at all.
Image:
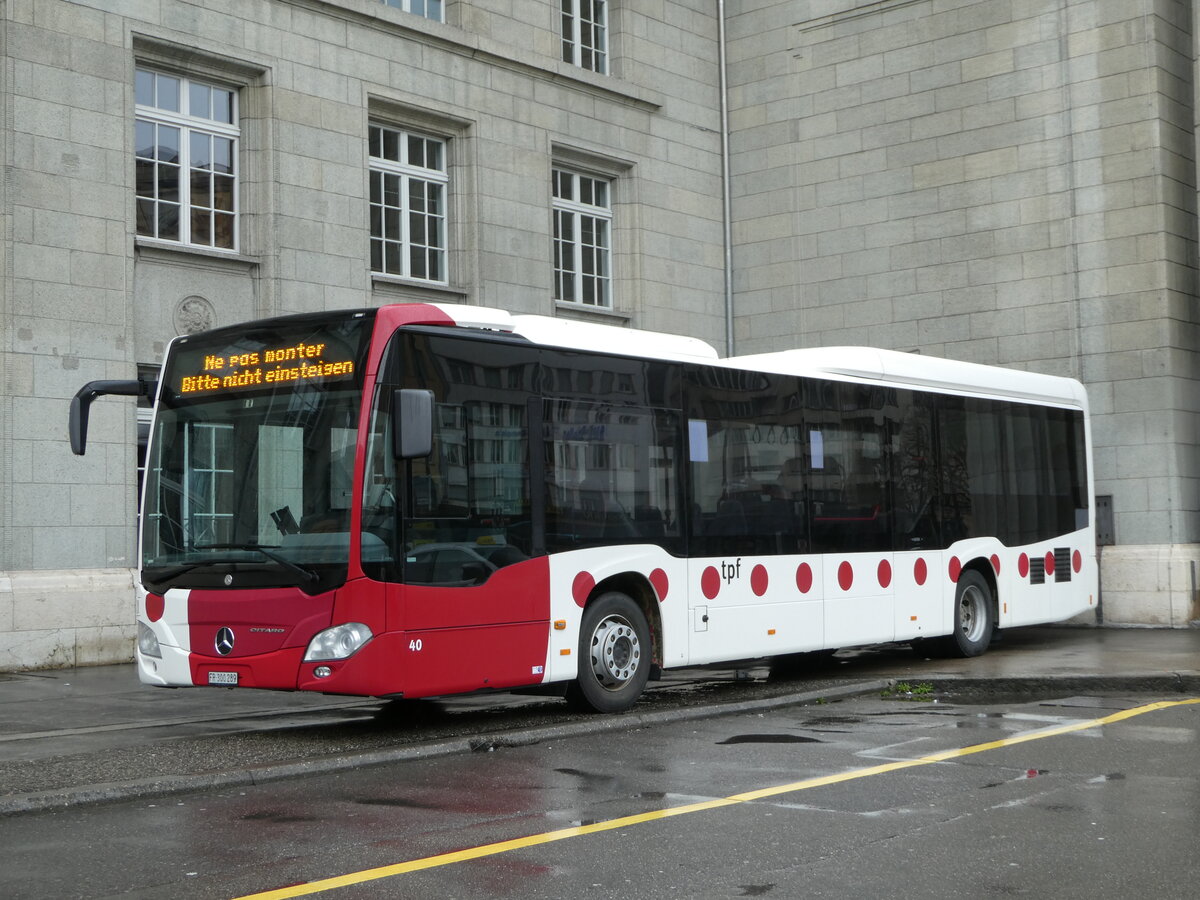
{"x":222,"y":677}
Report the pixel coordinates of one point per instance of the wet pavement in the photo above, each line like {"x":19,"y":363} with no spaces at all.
{"x":93,"y":734}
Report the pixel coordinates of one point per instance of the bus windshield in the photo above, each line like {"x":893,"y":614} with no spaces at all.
{"x":250,"y":470}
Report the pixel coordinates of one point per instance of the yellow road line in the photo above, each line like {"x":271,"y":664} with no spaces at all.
{"x":533,"y":840}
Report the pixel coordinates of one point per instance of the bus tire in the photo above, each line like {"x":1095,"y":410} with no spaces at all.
{"x":974,"y":616}
{"x":614,"y":655}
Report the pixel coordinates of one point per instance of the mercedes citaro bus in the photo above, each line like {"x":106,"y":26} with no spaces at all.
{"x":427,"y":499}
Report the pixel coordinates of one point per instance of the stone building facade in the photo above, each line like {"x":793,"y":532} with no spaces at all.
{"x":1003,"y":181}
{"x":1009,"y":182}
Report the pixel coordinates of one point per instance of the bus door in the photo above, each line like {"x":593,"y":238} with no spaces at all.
{"x":849,"y":432}
{"x":920,"y":604}
{"x":754,"y":585}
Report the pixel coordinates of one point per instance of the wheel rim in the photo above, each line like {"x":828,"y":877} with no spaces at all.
{"x":616,"y":652}
{"x":972,"y":614}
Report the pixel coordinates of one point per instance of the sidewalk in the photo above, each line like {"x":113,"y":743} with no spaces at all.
{"x":80,"y":735}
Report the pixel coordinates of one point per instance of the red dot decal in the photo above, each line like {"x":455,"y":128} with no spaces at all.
{"x":845,"y":575}
{"x":660,"y":583}
{"x":885,"y":573}
{"x":1023,"y":565}
{"x":995,"y":564}
{"x":710,"y":582}
{"x":1049,"y":562}
{"x":581,"y":588}
{"x":1077,"y":562}
{"x":155,"y":607}
{"x":804,"y":578}
{"x":920,"y":571}
{"x":759,"y":580}
{"x":955,"y":569}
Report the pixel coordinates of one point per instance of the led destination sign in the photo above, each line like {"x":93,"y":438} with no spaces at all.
{"x":292,"y":353}
{"x":270,"y":366}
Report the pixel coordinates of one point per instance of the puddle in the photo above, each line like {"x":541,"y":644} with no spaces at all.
{"x":585,"y":776}
{"x":276,"y":818}
{"x":823,"y":721}
{"x":755,"y":890}
{"x":769,"y":739}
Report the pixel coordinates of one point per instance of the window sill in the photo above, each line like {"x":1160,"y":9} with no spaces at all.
{"x":414,"y":289}
{"x":186,"y":254}
{"x":569,"y":310}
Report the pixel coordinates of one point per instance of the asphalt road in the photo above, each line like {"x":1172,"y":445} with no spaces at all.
{"x":88,"y":735}
{"x":1094,"y":796}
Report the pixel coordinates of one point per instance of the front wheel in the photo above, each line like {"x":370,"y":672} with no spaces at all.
{"x":614,"y":655}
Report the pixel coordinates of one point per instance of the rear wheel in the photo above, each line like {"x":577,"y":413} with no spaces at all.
{"x":974,"y":616}
{"x":614,"y":655}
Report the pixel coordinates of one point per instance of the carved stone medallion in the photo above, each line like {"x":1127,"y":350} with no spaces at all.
{"x":194,"y":314}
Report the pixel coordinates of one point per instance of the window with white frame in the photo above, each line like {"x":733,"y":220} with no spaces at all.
{"x":408,"y":204}
{"x":186,"y":147}
{"x":429,"y":9}
{"x":585,"y":34}
{"x":582,"y":239}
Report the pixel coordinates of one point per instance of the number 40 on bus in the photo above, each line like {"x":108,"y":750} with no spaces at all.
{"x":427,"y":499}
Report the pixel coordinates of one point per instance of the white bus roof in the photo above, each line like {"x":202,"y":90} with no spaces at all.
{"x":863,"y":363}
{"x":584,"y":335}
{"x":917,"y":370}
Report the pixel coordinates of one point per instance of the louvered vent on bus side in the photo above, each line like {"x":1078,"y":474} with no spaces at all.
{"x":1062,"y":563}
{"x":1037,"y":570}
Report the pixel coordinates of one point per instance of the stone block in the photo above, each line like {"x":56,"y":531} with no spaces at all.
{"x":42,"y":649}
{"x":1149,"y":585}
{"x":938,"y":173}
{"x":985,"y":66}
{"x":63,"y":600}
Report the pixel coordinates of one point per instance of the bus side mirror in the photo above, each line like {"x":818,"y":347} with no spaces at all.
{"x":77,"y":425}
{"x":412,"y":423}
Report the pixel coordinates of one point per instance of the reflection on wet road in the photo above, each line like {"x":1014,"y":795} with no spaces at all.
{"x":748,"y":796}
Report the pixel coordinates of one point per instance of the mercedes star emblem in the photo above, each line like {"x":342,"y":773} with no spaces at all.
{"x":224,"y":641}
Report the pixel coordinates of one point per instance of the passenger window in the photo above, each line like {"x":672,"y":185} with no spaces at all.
{"x":748,"y":487}
{"x":973,"y":490}
{"x":914,"y":471}
{"x":849,"y":443}
{"x":749,"y":473}
{"x":610,"y":474}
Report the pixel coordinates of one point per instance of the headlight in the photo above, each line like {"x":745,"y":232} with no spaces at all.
{"x":338,"y":642}
{"x":147,"y":641}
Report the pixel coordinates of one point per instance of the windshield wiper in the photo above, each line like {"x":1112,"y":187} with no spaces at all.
{"x":306,"y":576}
{"x":186,"y":567}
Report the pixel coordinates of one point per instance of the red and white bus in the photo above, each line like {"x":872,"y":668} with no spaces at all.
{"x":427,"y":499}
